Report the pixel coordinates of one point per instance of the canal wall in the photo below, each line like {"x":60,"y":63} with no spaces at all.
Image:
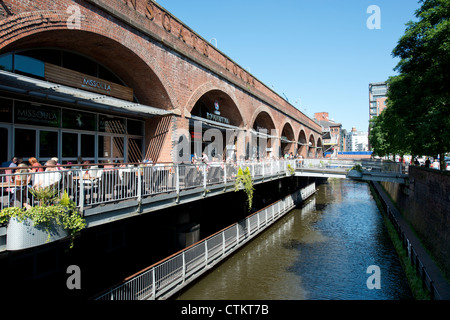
{"x":425,"y":204}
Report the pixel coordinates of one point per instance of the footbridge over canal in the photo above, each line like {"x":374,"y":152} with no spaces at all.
{"x":365,"y":170}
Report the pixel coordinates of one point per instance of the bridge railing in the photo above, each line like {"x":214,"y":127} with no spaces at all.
{"x":347,"y":164}
{"x":90,"y":186}
{"x":169,"y":275}
{"x":93,"y":185}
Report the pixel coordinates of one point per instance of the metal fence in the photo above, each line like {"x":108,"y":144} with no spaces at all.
{"x":170,"y":275}
{"x":92,"y":185}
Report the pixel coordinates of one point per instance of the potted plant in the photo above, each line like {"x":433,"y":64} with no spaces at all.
{"x":53,"y":219}
{"x":290,"y":169}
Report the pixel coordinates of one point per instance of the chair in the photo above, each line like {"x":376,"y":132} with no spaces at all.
{"x":107,"y":184}
{"x":125,"y":186}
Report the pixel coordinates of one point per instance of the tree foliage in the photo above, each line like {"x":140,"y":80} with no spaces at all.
{"x":417,"y":120}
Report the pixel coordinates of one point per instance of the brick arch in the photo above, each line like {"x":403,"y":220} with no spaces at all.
{"x":290,"y":129}
{"x":302,"y":143}
{"x":125,"y":57}
{"x":287,"y":131}
{"x":311,"y":146}
{"x":229,"y":109}
{"x":259,"y":111}
{"x":319,"y":145}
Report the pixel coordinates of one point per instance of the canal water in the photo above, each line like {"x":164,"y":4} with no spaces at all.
{"x":318,"y":252}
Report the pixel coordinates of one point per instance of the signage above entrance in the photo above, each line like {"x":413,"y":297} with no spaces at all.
{"x":79,"y":80}
{"x":215,"y":117}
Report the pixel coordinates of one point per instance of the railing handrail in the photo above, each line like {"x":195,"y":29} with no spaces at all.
{"x":169,"y":177}
{"x":310,"y":189}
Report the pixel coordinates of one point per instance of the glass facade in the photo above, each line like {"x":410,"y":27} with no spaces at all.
{"x":45,"y":131}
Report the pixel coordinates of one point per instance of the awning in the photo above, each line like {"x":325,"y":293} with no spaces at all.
{"x":262,"y":134}
{"x":214,"y":124}
{"x":17,"y":83}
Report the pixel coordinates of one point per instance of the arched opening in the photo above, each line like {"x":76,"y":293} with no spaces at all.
{"x":99,"y":68}
{"x":287,"y":141}
{"x":214,"y":126}
{"x":311,"y":147}
{"x":319,"y":148}
{"x":302,"y":144}
{"x":262,"y":143}
{"x":120,"y":60}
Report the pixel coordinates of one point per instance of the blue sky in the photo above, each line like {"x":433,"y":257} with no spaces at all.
{"x":319,"y":54}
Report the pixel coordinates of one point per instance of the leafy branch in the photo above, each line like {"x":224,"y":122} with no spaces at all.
{"x":244,"y":179}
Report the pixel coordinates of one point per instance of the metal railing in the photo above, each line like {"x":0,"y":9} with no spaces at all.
{"x":93,"y":186}
{"x":166,"y":277}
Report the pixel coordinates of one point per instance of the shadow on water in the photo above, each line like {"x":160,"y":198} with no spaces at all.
{"x":320,"y":251}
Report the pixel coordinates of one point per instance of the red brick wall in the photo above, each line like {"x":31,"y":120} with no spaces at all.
{"x":425,"y":204}
{"x":167,"y":64}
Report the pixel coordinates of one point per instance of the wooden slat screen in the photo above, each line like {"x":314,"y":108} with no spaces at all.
{"x":79,"y":80}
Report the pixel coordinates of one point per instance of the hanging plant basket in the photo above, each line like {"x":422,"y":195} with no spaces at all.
{"x":24,"y":234}
{"x":54,"y":219}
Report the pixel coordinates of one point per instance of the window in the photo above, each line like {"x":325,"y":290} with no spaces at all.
{"x":36,"y":114}
{"x":6,"y":62}
{"x":32,"y":63}
{"x":135,"y":127}
{"x":25,"y":143}
{"x":74,"y":119}
{"x":88,"y":146}
{"x":110,"y":148}
{"x":48,"y":144}
{"x":27,"y":65}
{"x":5,"y":110}
{"x":135,"y":150}
{"x":69,"y":145}
{"x":111,"y":124}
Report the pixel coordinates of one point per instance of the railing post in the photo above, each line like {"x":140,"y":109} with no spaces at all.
{"x":177,"y":183}
{"x":206,"y":253}
{"x":81,"y":192}
{"x":225,"y":173}
{"x":184,"y":266}
{"x":140,"y":187}
{"x":257,"y":216}
{"x":223,"y":243}
{"x":237,"y":233}
{"x":154,"y":284}
{"x":204,"y":177}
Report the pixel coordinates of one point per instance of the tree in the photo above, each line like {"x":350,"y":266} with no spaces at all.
{"x":418,"y":98}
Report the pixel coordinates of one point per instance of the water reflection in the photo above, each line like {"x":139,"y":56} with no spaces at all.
{"x":321,"y":251}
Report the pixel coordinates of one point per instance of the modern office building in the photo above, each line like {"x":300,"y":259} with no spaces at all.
{"x":377,"y":98}
{"x":357,"y":141}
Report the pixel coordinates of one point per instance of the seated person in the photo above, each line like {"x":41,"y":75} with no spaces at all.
{"x":50,"y":176}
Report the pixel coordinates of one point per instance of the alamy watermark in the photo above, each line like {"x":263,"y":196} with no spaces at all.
{"x":374,"y":20}
{"x":74,"y":280}
{"x":75,"y":16}
{"x":374,"y":280}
